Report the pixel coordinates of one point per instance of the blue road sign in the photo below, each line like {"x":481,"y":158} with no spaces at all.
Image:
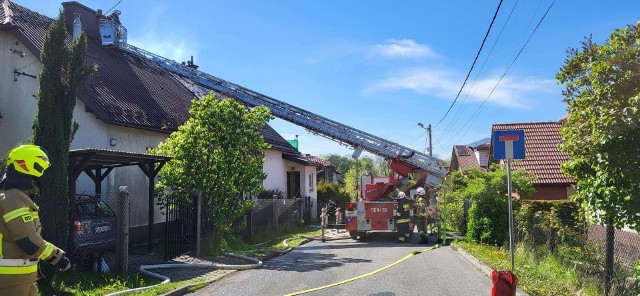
{"x":508,"y":144}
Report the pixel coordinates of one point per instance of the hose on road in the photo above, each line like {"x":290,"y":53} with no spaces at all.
{"x":413,"y":253}
{"x":144,"y":269}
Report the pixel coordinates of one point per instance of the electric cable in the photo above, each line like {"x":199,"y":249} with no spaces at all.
{"x":113,"y":7}
{"x":473,"y":64}
{"x":474,"y":85}
{"x":477,"y":112}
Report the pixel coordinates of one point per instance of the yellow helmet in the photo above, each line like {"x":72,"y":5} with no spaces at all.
{"x":29,"y":160}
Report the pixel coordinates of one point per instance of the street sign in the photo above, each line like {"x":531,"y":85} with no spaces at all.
{"x":508,"y":144}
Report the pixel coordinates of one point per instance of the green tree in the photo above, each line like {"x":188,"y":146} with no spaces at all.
{"x":219,"y":152}
{"x":341,"y":163}
{"x":63,"y":73}
{"x":602,"y":133}
{"x":487,"y":191}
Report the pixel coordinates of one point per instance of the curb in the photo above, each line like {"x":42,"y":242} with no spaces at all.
{"x":183,"y":290}
{"x":480,"y":266}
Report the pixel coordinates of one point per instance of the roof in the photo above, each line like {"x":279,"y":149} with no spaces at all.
{"x":307,"y":160}
{"x":101,"y":158}
{"x":463,"y":157}
{"x":125,"y":90}
{"x":483,"y":143}
{"x":543,"y":158}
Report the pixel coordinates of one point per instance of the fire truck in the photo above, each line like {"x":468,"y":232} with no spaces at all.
{"x":375,"y":212}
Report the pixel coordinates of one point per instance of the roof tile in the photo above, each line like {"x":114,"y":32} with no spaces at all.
{"x":543,"y":158}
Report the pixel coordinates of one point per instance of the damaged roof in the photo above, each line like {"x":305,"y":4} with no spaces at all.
{"x":125,"y":90}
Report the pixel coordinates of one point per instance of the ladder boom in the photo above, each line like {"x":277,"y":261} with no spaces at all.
{"x":311,"y":121}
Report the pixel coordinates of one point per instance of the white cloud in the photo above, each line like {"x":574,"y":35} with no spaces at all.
{"x":403,"y":48}
{"x":177,"y":50}
{"x":511,"y":92}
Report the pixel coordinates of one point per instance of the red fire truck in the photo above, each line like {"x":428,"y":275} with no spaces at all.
{"x":376,"y":211}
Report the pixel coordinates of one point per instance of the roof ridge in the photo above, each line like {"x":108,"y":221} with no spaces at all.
{"x":531,"y":122}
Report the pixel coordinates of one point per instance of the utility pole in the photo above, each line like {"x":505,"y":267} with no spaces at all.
{"x":430,"y":148}
{"x":428,"y":129}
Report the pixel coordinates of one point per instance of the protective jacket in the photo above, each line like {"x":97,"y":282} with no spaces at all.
{"x":21,"y":244}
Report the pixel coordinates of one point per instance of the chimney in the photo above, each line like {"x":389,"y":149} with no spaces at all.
{"x":77,"y":26}
{"x":191,"y":65}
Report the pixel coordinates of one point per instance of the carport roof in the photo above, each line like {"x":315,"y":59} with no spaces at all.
{"x":102,"y":158}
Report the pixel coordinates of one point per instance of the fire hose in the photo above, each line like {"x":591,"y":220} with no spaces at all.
{"x":144,"y":269}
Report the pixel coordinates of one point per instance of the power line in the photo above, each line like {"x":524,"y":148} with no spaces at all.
{"x":113,"y":7}
{"x":473,"y":64}
{"x":477,"y":112}
{"x":474,"y":85}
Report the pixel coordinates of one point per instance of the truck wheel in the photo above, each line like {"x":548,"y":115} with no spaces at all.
{"x":356,"y":235}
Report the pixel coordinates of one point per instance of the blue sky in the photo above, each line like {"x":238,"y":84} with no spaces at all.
{"x":378,"y":66}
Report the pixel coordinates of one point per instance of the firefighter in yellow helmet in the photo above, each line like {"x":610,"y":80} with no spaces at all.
{"x":21,"y":244}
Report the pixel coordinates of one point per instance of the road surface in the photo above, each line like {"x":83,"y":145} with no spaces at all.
{"x":437,"y":272}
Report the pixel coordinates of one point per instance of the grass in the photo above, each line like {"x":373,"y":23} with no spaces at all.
{"x":88,"y":283}
{"x":539,"y":273}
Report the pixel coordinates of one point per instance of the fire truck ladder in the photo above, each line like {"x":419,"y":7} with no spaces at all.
{"x":315,"y":123}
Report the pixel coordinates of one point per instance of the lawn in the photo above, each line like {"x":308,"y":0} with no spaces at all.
{"x":539,"y":273}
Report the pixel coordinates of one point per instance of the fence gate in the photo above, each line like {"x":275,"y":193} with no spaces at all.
{"x":181,"y":227}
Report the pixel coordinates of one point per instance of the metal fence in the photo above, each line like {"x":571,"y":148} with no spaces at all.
{"x":276,"y":214}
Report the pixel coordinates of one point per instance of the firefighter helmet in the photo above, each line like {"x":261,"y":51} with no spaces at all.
{"x":421,"y":191}
{"x":29,"y":160}
{"x":401,"y":195}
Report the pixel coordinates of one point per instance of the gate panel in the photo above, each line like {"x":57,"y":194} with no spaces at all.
{"x":181,"y":227}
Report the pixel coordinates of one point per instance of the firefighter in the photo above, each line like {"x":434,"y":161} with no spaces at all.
{"x":421,"y":211}
{"x":403,"y":217}
{"x":21,"y":245}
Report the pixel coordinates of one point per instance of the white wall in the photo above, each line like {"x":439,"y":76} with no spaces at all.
{"x":274,"y":167}
{"x":17,"y":104}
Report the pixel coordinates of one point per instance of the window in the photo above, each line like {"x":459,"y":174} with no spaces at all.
{"x":310,"y":181}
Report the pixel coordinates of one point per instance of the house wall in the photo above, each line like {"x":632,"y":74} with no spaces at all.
{"x":550,"y":192}
{"x":17,"y":104}
{"x":307,"y":189}
{"x":274,"y":167}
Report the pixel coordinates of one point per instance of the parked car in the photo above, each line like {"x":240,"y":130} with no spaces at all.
{"x":94,"y":229}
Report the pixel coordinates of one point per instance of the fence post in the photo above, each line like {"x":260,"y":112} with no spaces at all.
{"x":198,"y":222}
{"x":122,"y":246}
{"x":609,"y":257}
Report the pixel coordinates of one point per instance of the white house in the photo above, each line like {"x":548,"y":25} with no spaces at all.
{"x":128,"y":105}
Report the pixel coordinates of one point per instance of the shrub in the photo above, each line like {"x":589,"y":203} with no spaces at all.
{"x":551,"y":222}
{"x":332,"y":191}
{"x":270,"y":193}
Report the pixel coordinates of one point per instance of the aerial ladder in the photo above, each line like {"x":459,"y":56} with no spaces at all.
{"x":404,"y":159}
{"x":375,"y":211}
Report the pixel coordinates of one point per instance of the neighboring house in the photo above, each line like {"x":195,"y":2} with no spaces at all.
{"x":542,"y":158}
{"x":128,"y":105}
{"x":473,"y":155}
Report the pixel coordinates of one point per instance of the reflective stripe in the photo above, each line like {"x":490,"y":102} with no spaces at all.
{"x":17,"y":262}
{"x":403,"y":220}
{"x":15,"y":214}
{"x":18,"y":269}
{"x":47,"y":252}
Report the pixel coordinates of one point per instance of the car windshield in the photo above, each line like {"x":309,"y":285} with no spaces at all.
{"x":94,"y":209}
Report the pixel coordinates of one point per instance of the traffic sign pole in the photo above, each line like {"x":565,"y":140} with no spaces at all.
{"x":510,"y":197}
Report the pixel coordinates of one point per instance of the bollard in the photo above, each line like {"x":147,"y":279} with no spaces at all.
{"x":323,"y":221}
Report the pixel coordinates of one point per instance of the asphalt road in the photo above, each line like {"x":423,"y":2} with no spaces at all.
{"x":437,"y":272}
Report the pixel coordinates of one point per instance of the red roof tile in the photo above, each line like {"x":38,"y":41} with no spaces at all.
{"x":316,"y":160}
{"x":463,"y":157}
{"x":542,"y":156}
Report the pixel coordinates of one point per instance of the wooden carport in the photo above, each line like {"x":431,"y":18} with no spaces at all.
{"x":98,"y":163}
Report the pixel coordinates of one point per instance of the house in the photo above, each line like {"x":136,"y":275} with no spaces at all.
{"x":473,"y":155}
{"x":542,"y":158}
{"x":128,"y":105}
